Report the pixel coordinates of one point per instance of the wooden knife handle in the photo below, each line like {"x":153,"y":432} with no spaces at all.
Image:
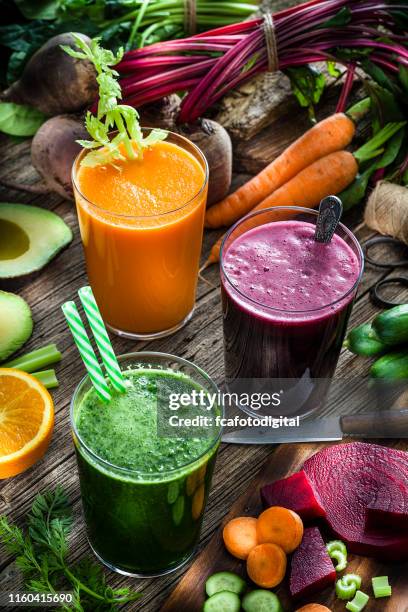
{"x":386,"y":424}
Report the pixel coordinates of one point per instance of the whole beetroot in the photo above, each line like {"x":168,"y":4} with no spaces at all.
{"x":53,"y":81}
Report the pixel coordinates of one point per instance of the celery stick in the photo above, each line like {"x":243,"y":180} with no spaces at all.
{"x":381,"y":587}
{"x":47,"y":378}
{"x":359,"y":602}
{"x":36,"y":360}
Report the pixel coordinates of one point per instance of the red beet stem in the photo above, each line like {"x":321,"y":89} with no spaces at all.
{"x":207,"y":65}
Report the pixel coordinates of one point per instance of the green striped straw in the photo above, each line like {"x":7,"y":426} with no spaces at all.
{"x":86,"y":351}
{"x":102,"y":339}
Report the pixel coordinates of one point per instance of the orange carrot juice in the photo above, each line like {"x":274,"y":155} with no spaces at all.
{"x":141,"y":225}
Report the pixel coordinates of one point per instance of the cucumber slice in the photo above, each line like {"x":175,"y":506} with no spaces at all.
{"x":178,"y":510}
{"x":16,"y":324}
{"x":224,"y":581}
{"x":225,"y":601}
{"x":261,"y":601}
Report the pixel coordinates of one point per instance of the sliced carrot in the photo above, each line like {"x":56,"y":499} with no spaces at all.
{"x":328,"y":175}
{"x":280,"y":526}
{"x":332,"y":134}
{"x":266,"y":565}
{"x":313,"y":607}
{"x":239,"y":536}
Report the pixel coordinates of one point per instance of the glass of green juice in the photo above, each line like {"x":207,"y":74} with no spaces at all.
{"x":144,"y":489}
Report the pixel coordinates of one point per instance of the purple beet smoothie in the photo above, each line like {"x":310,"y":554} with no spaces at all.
{"x":286,"y":302}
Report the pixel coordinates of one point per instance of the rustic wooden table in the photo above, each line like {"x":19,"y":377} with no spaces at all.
{"x":200,"y":341}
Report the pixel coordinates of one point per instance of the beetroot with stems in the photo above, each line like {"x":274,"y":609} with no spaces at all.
{"x":311,"y":568}
{"x":296,"y":493}
{"x":348,"y":478}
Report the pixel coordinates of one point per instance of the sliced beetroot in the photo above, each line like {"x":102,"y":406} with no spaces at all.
{"x":350,"y":477}
{"x":389,"y":510}
{"x":311,"y":568}
{"x":296,"y":493}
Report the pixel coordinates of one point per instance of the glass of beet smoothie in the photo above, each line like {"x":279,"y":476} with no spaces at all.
{"x":143,"y":491}
{"x":286,"y":303}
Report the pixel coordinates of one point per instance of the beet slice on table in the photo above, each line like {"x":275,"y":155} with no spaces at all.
{"x":389,"y":510}
{"x":350,"y":477}
{"x":311,"y":569}
{"x":296,"y":493}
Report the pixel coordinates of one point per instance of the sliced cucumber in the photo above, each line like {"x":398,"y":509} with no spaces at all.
{"x":225,"y":601}
{"x":224,"y":581}
{"x":261,"y":601}
{"x":178,"y":510}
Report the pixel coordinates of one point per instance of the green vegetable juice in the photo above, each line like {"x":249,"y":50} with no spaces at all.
{"x":143,"y":493}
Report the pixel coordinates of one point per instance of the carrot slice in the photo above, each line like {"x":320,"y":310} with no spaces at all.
{"x":266,"y":565}
{"x":313,"y":607}
{"x":280,"y":526}
{"x":239,"y":536}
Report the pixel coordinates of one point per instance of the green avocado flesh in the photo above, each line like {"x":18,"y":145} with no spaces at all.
{"x":16,"y":324}
{"x":29,"y":238}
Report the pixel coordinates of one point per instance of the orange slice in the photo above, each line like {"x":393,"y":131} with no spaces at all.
{"x":26,"y":421}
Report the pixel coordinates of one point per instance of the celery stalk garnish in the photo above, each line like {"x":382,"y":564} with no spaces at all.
{"x":128,"y":143}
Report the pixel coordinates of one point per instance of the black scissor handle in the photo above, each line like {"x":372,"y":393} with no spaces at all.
{"x":383,"y":240}
{"x":381,"y":301}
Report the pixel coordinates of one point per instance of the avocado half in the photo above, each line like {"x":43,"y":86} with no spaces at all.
{"x":16,"y":324}
{"x":29,"y":238}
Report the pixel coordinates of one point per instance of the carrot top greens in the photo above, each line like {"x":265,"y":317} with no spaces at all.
{"x":128,"y":142}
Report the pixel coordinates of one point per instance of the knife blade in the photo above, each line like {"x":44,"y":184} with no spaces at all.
{"x":386,"y":424}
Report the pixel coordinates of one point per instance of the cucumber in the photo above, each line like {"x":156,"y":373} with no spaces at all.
{"x":363,"y":340}
{"x":224,"y":601}
{"x":261,"y":601}
{"x":391,"y":326}
{"x":393,"y":366}
{"x":224,"y":581}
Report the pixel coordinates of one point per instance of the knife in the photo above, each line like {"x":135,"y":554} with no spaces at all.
{"x":386,"y":424}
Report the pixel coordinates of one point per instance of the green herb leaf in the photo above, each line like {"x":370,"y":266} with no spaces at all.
{"x":403,"y":77}
{"x":40,"y":9}
{"x":379,"y":76}
{"x":355,"y":192}
{"x":373,"y":147}
{"x":20,"y":119}
{"x":307,"y":85}
{"x":333,"y":70}
{"x":42,"y":557}
{"x":342,"y":18}
{"x":129,"y":141}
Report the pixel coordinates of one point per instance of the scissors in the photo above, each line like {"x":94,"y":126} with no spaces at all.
{"x":376,"y":291}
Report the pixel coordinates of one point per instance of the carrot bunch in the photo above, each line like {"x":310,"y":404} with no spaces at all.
{"x":312,"y":167}
{"x":264,"y":543}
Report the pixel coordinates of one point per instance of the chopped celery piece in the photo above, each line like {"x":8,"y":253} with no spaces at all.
{"x":358,"y":603}
{"x":36,"y":360}
{"x":47,"y":378}
{"x":381,"y":587}
{"x":347,"y":585}
{"x":337,"y":550}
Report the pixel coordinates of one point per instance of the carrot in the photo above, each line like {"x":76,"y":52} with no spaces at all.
{"x":332,"y":134}
{"x":328,"y":175}
{"x":280,"y":526}
{"x":313,"y":607}
{"x":266,"y":565}
{"x":239,"y":536}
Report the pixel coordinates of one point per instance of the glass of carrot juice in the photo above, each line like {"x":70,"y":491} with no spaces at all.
{"x":141,"y":224}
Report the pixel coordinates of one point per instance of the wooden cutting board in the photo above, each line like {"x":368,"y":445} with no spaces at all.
{"x":188,"y":596}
